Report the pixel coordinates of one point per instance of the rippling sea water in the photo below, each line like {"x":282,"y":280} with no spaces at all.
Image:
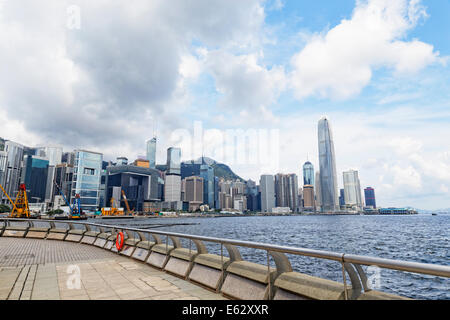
{"x":420,"y":238}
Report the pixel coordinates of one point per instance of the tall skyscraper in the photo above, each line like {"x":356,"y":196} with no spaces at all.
{"x":34,"y":176}
{"x":151,"y":152}
{"x":14,"y":155}
{"x":172,"y":180}
{"x":369,"y":195}
{"x":308,"y":173}
{"x":267,"y":186}
{"x":328,"y":180}
{"x":207,"y":173}
{"x":352,"y":189}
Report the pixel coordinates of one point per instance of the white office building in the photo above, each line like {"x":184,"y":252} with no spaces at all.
{"x":352,"y":190}
{"x":267,"y":185}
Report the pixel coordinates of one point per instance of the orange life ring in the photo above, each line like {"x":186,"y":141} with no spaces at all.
{"x":119,"y":241}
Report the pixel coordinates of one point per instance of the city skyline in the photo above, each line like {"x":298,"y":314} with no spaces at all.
{"x":275,"y":66}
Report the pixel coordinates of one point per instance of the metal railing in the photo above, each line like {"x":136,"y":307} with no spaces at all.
{"x":351,"y":264}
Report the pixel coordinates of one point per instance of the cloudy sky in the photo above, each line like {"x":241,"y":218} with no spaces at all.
{"x":99,"y":74}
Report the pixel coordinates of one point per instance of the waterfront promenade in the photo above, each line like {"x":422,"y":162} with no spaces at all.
{"x":33,"y":269}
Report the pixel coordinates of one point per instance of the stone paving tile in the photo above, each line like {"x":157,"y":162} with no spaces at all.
{"x":106,"y":276}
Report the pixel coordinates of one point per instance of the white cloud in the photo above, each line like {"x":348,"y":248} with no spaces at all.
{"x":243,"y":81}
{"x":127,"y":64}
{"x":339,"y":63}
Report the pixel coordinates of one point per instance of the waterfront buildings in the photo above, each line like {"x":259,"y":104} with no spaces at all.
{"x":267,"y":185}
{"x":11,"y":178}
{"x":151,"y":152}
{"x":139,"y":184}
{"x":369,"y":196}
{"x":352,"y":190}
{"x":86,"y":179}
{"x":207,"y":173}
{"x":286,"y":191}
{"x":328,"y":180}
{"x":308,"y":198}
{"x":172,"y":179}
{"x":34,"y":176}
{"x":193,"y":192}
{"x":3,"y":161}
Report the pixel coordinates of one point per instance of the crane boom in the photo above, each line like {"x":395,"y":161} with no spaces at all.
{"x":126,"y":202}
{"x":14,"y":206}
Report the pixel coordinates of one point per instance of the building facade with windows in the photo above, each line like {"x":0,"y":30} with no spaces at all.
{"x":369,"y":195}
{"x":87,"y":178}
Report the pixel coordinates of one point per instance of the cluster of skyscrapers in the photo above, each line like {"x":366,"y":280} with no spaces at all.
{"x":176,"y":185}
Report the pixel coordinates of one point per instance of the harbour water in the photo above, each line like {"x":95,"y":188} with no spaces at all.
{"x":420,"y":238}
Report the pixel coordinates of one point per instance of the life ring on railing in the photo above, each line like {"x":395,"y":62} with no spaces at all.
{"x":119,"y":241}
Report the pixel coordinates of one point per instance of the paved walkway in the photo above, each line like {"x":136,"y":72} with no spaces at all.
{"x":57,"y":270}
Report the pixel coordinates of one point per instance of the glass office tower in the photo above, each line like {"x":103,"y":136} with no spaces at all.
{"x":308,"y":174}
{"x":86,"y":179}
{"x":328,"y":180}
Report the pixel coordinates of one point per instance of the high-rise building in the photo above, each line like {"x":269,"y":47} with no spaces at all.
{"x":14,"y":155}
{"x":308,"y":198}
{"x":369,"y":195}
{"x":286,"y":191}
{"x":267,"y":185}
{"x":172,"y":188}
{"x":173,"y":161}
{"x":207,"y":173}
{"x":308,"y":174}
{"x":3,"y":161}
{"x":151,"y":152}
{"x":328,"y":180}
{"x":87,"y":178}
{"x":194,"y":192}
{"x":352,"y":189}
{"x":34,"y":176}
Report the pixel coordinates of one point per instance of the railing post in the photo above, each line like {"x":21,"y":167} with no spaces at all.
{"x":345,"y":281}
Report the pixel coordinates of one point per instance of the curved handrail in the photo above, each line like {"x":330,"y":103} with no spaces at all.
{"x":408,"y":266}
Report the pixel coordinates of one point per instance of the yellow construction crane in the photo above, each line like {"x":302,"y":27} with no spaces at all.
{"x":20,"y":206}
{"x":129,"y":212}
